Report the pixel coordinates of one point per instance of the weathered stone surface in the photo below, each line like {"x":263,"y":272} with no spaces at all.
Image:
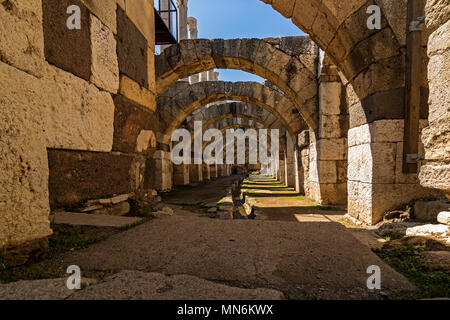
{"x":142,"y":14}
{"x":95,"y":220}
{"x":330,"y":98}
{"x":145,"y":140}
{"x":57,"y":111}
{"x":133,"y":91}
{"x":444,"y":217}
{"x":437,"y":13}
{"x":332,"y":149}
{"x":437,"y":260}
{"x":154,"y":286}
{"x":436,"y":175}
{"x":21,"y":35}
{"x":67,"y":49}
{"x":132,"y":50}
{"x":105,"y":11}
{"x":130,"y":122}
{"x":105,"y":68}
{"x":119,"y":209}
{"x":158,"y":174}
{"x":429,"y":210}
{"x":437,"y":230}
{"x":76,"y":176}
{"x":48,"y":289}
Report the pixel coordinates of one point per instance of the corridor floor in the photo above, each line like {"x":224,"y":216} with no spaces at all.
{"x":293,"y":246}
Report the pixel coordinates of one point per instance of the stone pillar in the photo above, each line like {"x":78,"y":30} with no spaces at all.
{"x":180,"y":175}
{"x":435,"y":170}
{"x":328,"y":149}
{"x":291,"y":165}
{"x":162,"y":173}
{"x":195,"y":173}
{"x":192,"y":26}
{"x":204,"y":76}
{"x":206,"y":172}
{"x":213,"y":171}
{"x":193,"y":34}
{"x":182,"y":19}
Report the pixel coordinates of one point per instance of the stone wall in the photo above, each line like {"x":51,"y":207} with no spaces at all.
{"x":435,"y":171}
{"x":73,"y":105}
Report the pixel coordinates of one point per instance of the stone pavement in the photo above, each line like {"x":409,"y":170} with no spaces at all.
{"x":188,"y":256}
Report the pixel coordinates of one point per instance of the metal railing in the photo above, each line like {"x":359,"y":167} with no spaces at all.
{"x":169,"y":13}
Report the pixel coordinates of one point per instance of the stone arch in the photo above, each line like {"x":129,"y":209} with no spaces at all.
{"x":291,"y":68}
{"x":211,"y":114}
{"x":183,"y":99}
{"x":340,"y":29}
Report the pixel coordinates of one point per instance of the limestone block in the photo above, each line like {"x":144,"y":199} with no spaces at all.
{"x":285,"y":7}
{"x":439,"y":82}
{"x":436,"y":140}
{"x":58,"y":110}
{"x":133,"y":91}
{"x":333,"y":194}
{"x":105,"y":67}
{"x":395,"y":13}
{"x":359,"y":135}
{"x":145,"y":140}
{"x":360,"y":201}
{"x":323,"y":171}
{"x":330,"y":126}
{"x":142,"y":14}
{"x":330,"y":98}
{"x":439,"y":41}
{"x":387,"y":131}
{"x":105,"y":11}
{"x":428,"y":230}
{"x":437,"y":13}
{"x":332,"y":149}
{"x":303,"y":139}
{"x":429,"y":210}
{"x":394,"y":196}
{"x":21,"y":35}
{"x":436,"y":175}
{"x":151,"y":70}
{"x":444,"y":217}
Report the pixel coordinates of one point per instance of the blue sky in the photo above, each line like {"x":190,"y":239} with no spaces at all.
{"x":230,"y":19}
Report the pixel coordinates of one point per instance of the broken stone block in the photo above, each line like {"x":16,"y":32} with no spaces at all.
{"x":120,"y":198}
{"x":92,"y":208}
{"x":428,"y":230}
{"x":120,"y":209}
{"x":444,"y":217}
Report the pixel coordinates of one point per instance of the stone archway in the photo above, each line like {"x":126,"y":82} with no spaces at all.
{"x":210,"y":114}
{"x":290,"y":65}
{"x":183,"y":99}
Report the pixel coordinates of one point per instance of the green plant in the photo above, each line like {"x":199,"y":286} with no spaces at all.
{"x":405,"y":260}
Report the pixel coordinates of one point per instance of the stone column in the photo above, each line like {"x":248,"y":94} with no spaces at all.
{"x":195,"y":173}
{"x":193,"y":34}
{"x":192,"y":26}
{"x":162,"y":173}
{"x":213,"y":171}
{"x":180,"y":175}
{"x":182,"y":19}
{"x":328,"y":149}
{"x":435,"y":170}
{"x":291,"y":163}
{"x":206,"y":172}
